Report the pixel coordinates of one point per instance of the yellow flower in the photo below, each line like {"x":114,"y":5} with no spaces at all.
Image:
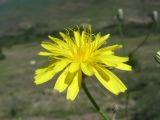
{"x":83,"y":53}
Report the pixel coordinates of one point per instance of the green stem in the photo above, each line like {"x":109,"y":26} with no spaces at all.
{"x":120,"y":29}
{"x":152,"y":27}
{"x":93,"y":101}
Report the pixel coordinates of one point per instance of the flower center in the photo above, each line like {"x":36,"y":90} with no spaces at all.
{"x":82,"y":54}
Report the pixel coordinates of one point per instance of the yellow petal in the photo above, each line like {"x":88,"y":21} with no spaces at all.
{"x":123,"y":66}
{"x":108,"y":63}
{"x":83,"y":37}
{"x":66,"y":38}
{"x":115,"y":81}
{"x":74,"y":67}
{"x":60,"y":84}
{"x":56,"y":50}
{"x":87,"y":69}
{"x":116,"y":58}
{"x":74,"y":87}
{"x":101,"y":54}
{"x":45,"y":74}
{"x":112,"y":61}
{"x":77,"y":38}
{"x":41,"y":70}
{"x":58,"y":41}
{"x":109,"y":80}
{"x":95,"y":42}
{"x":100,"y":73}
{"x":103,"y":39}
{"x":69,"y":77}
{"x":112,"y":47}
{"x":49,"y":46}
{"x":61,"y":65}
{"x":45,"y":54}
{"x":99,"y":41}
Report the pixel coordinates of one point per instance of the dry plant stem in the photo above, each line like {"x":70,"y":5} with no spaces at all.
{"x":127,"y":103}
{"x":93,"y":101}
{"x":114,"y":117}
{"x":120,"y":28}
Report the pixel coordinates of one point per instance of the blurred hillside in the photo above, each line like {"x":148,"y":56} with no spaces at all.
{"x":55,"y":14}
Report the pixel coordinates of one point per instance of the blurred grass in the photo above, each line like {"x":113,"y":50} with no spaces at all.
{"x":21,"y":98}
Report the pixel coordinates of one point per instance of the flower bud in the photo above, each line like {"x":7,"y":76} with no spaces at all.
{"x":120,"y":14}
{"x":154,"y":16}
{"x":157,"y":57}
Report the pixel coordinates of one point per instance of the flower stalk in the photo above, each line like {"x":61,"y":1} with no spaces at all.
{"x":93,"y":101}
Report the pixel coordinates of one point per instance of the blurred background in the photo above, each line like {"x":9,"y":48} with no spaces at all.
{"x":25,"y":23}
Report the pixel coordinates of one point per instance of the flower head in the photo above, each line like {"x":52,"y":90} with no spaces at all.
{"x":83,"y":53}
{"x":154,"y":16}
{"x":157,"y":57}
{"x":120,"y":14}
